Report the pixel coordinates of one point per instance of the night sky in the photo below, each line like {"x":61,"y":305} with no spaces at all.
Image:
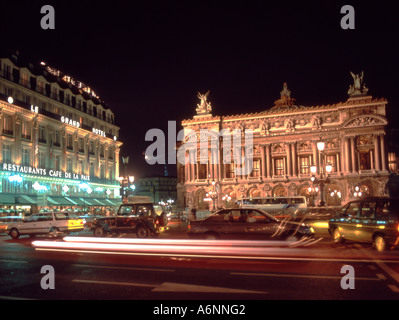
{"x":148,"y":59}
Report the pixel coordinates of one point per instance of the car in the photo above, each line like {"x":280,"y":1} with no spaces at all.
{"x":5,"y":221}
{"x":247,"y":224}
{"x":46,"y":223}
{"x":370,"y":220}
{"x":88,"y":219}
{"x":135,"y":217}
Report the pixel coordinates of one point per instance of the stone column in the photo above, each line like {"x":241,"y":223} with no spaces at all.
{"x":186,"y":171}
{"x":117,"y":162}
{"x":35,"y":139}
{"x":338,"y":163}
{"x":289,"y":159}
{"x":353,"y":158}
{"x":316,"y":158}
{"x":191,"y":157}
{"x":16,"y":152}
{"x":268,"y":162}
{"x":347,"y":155}
{"x":263,"y":155}
{"x":294,"y":160}
{"x":342,"y":156}
{"x":377,"y":153}
{"x":383,"y":154}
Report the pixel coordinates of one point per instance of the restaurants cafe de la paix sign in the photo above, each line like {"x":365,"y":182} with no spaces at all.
{"x":43,"y":172}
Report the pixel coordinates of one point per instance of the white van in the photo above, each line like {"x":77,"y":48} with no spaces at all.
{"x":46,"y":222}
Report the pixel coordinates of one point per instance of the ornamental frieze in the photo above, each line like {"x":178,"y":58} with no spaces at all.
{"x":365,"y":140}
{"x":267,"y":187}
{"x":292,"y":186}
{"x":332,"y":143}
{"x":365,"y":121}
{"x":304,"y":146}
{"x":278,"y":148}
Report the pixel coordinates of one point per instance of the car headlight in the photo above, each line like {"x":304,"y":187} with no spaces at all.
{"x":312,"y":230}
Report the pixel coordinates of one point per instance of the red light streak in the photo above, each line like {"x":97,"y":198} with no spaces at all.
{"x":168,"y":247}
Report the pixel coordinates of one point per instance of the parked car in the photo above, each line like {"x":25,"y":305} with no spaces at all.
{"x":5,"y":221}
{"x":88,"y":219}
{"x":45,"y":223}
{"x":247,"y":224}
{"x":371,"y":220}
{"x":138,"y":217}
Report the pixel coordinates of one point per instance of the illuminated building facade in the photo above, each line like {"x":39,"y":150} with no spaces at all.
{"x":285,"y":150}
{"x":59,"y":143}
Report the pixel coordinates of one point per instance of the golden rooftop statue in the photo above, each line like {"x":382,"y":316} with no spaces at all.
{"x":358,"y":87}
{"x":204,"y":107}
{"x":285,"y":102}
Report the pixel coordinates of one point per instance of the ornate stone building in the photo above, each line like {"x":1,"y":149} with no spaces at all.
{"x":59,"y":143}
{"x":285,"y":149}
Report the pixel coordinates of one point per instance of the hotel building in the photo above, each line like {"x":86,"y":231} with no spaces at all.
{"x":59,"y":143}
{"x":284,"y":152}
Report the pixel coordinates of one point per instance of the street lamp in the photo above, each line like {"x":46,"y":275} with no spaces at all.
{"x":313,"y":191}
{"x":325,"y":170}
{"x":126,"y":184}
{"x":357,"y":192}
{"x":213,"y":194}
{"x":226,"y":198}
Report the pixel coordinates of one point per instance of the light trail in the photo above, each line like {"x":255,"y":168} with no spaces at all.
{"x":201,"y":249}
{"x":213,"y":250}
{"x":184,"y":242}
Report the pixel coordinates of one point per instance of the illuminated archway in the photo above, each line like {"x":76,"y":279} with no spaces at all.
{"x":228,"y":198}
{"x":200,"y":203}
{"x":254,"y":192}
{"x":280,"y":191}
{"x":333,"y":194}
{"x":308,"y":194}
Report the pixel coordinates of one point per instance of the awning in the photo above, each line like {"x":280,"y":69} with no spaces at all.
{"x":114,"y":202}
{"x":16,"y":199}
{"x":28,"y":199}
{"x":7,"y":199}
{"x":59,"y":201}
{"x":70,"y":200}
{"x":51,"y":201}
{"x":31,"y":199}
{"x":86,"y":202}
{"x":100,"y":202}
